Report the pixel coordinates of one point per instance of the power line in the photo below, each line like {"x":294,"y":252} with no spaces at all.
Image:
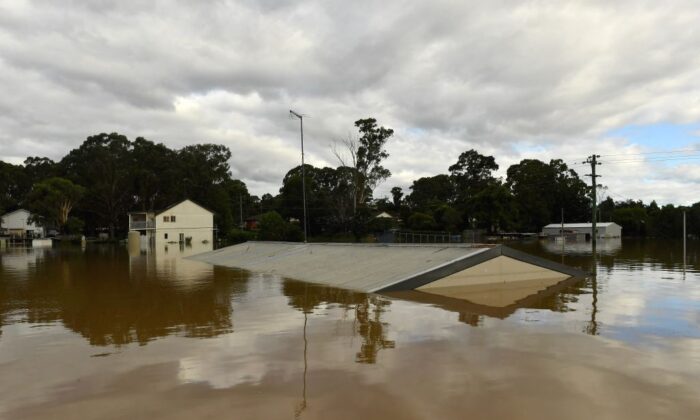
{"x":654,"y":153}
{"x":659,"y":159}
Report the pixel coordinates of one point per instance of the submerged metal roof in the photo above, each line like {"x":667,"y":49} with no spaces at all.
{"x":366,"y":267}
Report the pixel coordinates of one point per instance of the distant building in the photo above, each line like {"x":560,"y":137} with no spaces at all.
{"x":252,"y":222}
{"x":17,"y":224}
{"x":605,"y":229}
{"x":384,"y":215}
{"x":184,"y":222}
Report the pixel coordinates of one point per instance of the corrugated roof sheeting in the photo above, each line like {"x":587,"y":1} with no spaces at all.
{"x":364,"y":267}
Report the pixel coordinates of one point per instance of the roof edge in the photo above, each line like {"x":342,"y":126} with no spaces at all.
{"x":472,"y":260}
{"x":543,"y":262}
{"x":159,"y":212}
{"x":443,"y":271}
{"x":15,"y":211}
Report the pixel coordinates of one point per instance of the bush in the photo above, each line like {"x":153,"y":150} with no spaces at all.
{"x":274,"y":228}
{"x":74,"y":226}
{"x":237,"y":236}
{"x":421,"y":221}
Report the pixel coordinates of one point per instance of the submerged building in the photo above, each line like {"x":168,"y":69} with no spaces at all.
{"x":183,"y":222}
{"x":452,"y":270}
{"x":19,"y":224}
{"x":604,"y":229}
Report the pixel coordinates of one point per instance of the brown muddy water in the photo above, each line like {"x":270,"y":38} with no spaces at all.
{"x":98,"y":333}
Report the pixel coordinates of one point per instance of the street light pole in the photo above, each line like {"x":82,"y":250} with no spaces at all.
{"x":303,"y":175}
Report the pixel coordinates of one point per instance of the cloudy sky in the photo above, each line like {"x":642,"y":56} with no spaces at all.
{"x":515,"y":79}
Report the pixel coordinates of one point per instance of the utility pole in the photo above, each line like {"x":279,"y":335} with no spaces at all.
{"x":593,"y":161}
{"x":562,"y":223}
{"x":240,"y":208}
{"x":303,"y":175}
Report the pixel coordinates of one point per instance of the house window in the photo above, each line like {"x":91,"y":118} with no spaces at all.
{"x":172,"y":219}
{"x":166,"y":236}
{"x":166,"y":218}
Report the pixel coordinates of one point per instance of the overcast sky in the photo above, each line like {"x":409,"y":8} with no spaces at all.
{"x":514,"y":79}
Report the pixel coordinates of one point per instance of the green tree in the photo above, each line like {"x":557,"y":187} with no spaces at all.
{"x":632,"y":217}
{"x":366,"y":155}
{"x":541,"y":190}
{"x":421,"y":221}
{"x":370,"y":154}
{"x":473,"y":170}
{"x":471,"y":175}
{"x":274,"y":228}
{"x":12,"y":190}
{"x":494,"y":208}
{"x":153,"y":170}
{"x":428,"y":193}
{"x":52,"y":200}
{"x":397,"y":197}
{"x":448,"y":218}
{"x":38,"y":169}
{"x":103,"y":165}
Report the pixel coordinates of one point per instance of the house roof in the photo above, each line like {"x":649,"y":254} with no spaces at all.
{"x":581,"y":225}
{"x":367,"y":267}
{"x":159,"y":212}
{"x":16,"y":211}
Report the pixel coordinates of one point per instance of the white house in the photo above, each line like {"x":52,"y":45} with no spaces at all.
{"x":184,"y":222}
{"x":605,"y":229}
{"x":16,"y":223}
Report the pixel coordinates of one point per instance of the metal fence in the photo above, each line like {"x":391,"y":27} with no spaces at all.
{"x":426,"y":237}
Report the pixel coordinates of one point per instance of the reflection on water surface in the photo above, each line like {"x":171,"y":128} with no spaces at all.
{"x":109,"y":332}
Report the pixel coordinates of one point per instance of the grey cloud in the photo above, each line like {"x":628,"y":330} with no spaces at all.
{"x":446,"y":76}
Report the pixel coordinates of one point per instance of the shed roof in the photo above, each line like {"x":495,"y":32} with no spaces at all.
{"x":367,"y":267}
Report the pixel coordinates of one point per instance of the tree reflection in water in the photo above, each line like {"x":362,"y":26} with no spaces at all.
{"x":102,"y":297}
{"x":367,"y":310}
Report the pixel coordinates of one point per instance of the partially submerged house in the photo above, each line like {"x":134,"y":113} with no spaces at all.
{"x":603,"y":229}
{"x":183,"y":222}
{"x":452,"y":270}
{"x":19,"y":224}
{"x":384,"y":215}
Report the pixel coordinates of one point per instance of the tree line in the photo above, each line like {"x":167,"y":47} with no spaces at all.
{"x":94,"y":186}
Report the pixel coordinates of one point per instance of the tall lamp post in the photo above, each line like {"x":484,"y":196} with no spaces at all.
{"x":303,"y":175}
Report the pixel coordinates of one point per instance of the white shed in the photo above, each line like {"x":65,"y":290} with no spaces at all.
{"x":605,"y":229}
{"x":17,"y":223}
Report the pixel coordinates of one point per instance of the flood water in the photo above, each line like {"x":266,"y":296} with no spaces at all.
{"x":102,"y":333}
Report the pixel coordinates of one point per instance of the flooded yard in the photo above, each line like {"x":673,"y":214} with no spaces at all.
{"x":104,"y":333}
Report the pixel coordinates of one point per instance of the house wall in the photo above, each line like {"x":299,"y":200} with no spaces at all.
{"x":198,"y":235}
{"x":188,"y":215}
{"x":167,"y":261}
{"x":18,"y":222}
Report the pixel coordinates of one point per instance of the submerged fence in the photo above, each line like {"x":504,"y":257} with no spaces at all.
{"x":404,"y":237}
